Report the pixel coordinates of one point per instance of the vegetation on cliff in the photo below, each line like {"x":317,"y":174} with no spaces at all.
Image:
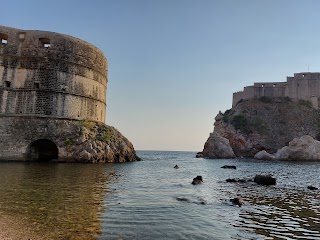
{"x":97,"y":142}
{"x":267,"y":124}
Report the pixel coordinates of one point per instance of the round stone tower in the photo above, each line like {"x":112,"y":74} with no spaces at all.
{"x":51,"y":75}
{"x":49,"y":84}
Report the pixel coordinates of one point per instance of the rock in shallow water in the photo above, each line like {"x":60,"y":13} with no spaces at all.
{"x":197,"y":180}
{"x":229,"y":167}
{"x":312,"y":188}
{"x":264,"y":180}
{"x":237,"y":201}
{"x":217,"y":147}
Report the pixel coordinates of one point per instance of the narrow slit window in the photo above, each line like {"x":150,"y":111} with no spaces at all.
{"x":45,"y":42}
{"x":7,"y":84}
{"x":4,"y":39}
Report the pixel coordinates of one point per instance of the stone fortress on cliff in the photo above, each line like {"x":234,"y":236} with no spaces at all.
{"x":304,"y":85}
{"x":48,"y":82}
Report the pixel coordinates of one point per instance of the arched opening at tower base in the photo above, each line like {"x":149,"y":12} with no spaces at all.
{"x":42,"y":150}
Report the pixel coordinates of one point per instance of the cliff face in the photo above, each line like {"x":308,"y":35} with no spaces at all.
{"x":266,"y":124}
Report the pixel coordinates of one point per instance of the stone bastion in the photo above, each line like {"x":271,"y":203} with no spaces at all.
{"x":51,"y":84}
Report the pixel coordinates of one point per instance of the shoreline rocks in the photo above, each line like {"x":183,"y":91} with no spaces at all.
{"x":217,"y":147}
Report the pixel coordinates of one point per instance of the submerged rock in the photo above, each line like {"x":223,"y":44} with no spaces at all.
{"x":217,"y":147}
{"x":237,"y":201}
{"x":199,"y":155}
{"x":197,"y":180}
{"x":239,"y":180}
{"x":176,"y":167}
{"x":229,"y":167}
{"x":312,"y":188}
{"x":264,"y":180}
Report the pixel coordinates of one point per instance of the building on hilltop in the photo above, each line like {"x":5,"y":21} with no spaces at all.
{"x":305,"y":86}
{"x":47,"y":81}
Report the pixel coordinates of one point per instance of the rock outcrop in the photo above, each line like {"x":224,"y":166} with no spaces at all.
{"x":94,"y":142}
{"x":217,"y":147}
{"x":259,"y":124}
{"x":300,"y":149}
{"x":264,"y":155}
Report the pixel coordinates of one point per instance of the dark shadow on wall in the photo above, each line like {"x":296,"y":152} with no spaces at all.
{"x":42,"y":150}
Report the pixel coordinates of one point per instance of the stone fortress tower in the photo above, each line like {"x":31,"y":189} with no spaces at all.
{"x":48,"y":82}
{"x":304,"y":85}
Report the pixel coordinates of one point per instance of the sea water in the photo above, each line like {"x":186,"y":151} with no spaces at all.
{"x":153,"y":200}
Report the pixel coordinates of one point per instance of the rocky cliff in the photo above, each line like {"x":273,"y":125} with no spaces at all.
{"x":95,"y":142}
{"x":264,"y":123}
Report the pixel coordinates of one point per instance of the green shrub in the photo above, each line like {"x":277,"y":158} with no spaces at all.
{"x":265,"y":99}
{"x":258,"y":125}
{"x":68,"y":142}
{"x":305,"y":103}
{"x":105,"y":137}
{"x":240,"y":122}
{"x":87,"y":124}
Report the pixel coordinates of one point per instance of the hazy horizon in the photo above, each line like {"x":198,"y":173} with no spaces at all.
{"x":174,"y":64}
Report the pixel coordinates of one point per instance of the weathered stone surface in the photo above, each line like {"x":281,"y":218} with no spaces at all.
{"x":217,"y":147}
{"x":99,"y":142}
{"x":264,"y":155}
{"x":53,"y":100}
{"x":264,"y":180}
{"x":300,"y":149}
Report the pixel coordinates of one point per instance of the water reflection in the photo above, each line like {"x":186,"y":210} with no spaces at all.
{"x":280,"y":213}
{"x":60,"y":201}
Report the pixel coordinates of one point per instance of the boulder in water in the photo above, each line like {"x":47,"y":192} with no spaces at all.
{"x":197,"y":180}
{"x":312,"y":188}
{"x":229,"y":167}
{"x":264,"y":180}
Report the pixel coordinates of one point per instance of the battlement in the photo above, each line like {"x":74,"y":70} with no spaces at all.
{"x":304,"y":85}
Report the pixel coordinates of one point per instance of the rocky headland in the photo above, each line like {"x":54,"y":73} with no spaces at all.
{"x":87,"y":141}
{"x":266,"y":128}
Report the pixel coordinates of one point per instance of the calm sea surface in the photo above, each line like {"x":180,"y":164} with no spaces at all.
{"x":152,"y":200}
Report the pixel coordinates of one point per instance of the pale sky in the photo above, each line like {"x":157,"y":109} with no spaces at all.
{"x":173,"y":64}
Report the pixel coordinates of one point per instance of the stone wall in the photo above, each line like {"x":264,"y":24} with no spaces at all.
{"x":28,"y":138}
{"x":304,"y":86}
{"x":51,"y":74}
{"x":53,"y":100}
